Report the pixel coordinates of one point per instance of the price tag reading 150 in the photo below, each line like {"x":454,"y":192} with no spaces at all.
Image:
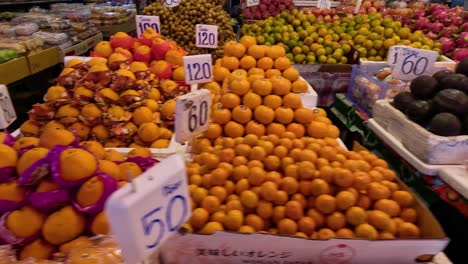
{"x":192,"y":114}
{"x":143,"y":22}
{"x":412,"y":63}
{"x":197,"y":68}
{"x":142,"y":218}
{"x":7,"y":111}
{"x":206,"y":36}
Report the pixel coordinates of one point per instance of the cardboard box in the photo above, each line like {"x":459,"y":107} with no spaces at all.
{"x":230,"y":247}
{"x":43,"y":59}
{"x":14,"y":70}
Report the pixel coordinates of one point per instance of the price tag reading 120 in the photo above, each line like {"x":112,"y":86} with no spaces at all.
{"x":7,"y":111}
{"x":192,"y":114}
{"x":206,"y":36}
{"x":145,"y":213}
{"x":143,"y":22}
{"x":197,"y":68}
{"x":412,"y":63}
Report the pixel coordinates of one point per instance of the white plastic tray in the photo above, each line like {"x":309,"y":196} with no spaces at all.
{"x":309,"y":99}
{"x":390,"y":140}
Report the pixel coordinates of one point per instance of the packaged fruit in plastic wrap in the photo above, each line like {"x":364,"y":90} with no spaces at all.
{"x":48,"y":206}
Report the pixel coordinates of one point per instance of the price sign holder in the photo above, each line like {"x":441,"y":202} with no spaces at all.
{"x":192,"y":114}
{"x":143,"y":22}
{"x":412,"y":62}
{"x":206,"y":36}
{"x":197,"y":68}
{"x":324,"y":4}
{"x":7,"y":110}
{"x":252,"y":3}
{"x":171,"y":3}
{"x":144,"y":214}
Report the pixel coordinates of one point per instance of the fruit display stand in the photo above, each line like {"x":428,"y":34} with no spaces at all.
{"x":372,"y":67}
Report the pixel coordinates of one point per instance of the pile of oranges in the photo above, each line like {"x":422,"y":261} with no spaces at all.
{"x":256,"y":91}
{"x":305,"y":187}
{"x":268,"y":164}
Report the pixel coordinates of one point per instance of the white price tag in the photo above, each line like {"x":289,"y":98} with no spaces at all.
{"x":7,"y":111}
{"x":358,"y":6}
{"x":192,"y":114}
{"x":412,"y":63}
{"x":143,"y":22}
{"x":392,"y":55}
{"x":171,"y":3}
{"x":324,"y":4}
{"x":197,"y":68}
{"x":252,"y":3}
{"x":206,"y":36}
{"x":145,"y":213}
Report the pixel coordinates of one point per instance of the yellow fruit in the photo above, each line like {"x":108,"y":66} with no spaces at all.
{"x":249,"y":199}
{"x":233,"y":220}
{"x":63,"y":226}
{"x":211,"y":228}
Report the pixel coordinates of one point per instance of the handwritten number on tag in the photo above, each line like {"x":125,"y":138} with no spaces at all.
{"x":200,"y":119}
{"x":199,"y":72}
{"x":410,"y":66}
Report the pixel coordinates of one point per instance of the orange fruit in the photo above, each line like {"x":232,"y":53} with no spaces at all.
{"x":336,"y":221}
{"x":303,"y":115}
{"x":292,"y":100}
{"x":237,"y":50}
{"x":345,"y":200}
{"x":233,"y":220}
{"x":390,"y":207}
{"x":287,"y":227}
{"x":262,"y":87}
{"x":251,"y":100}
{"x":272,"y":72}
{"x":294,"y":210}
{"x":265,"y":63}
{"x":273,"y":101}
{"x":219,"y":176}
{"x":221,"y":115}
{"x":255,"y":221}
{"x":281,"y":86}
{"x":289,"y":185}
{"x":239,"y":86}
{"x":220,"y":73}
{"x":213,"y":131}
{"x":248,"y":62}
{"x":409,"y":215}
{"x":317,"y":129}
{"x":403,"y":198}
{"x":306,"y":170}
{"x":275,"y":51}
{"x":249,"y":199}
{"x":324,"y":234}
{"x":306,"y":225}
{"x":268,"y":191}
{"x":319,"y":187}
{"x":279,"y":212}
{"x":282,"y":63}
{"x":257,"y":51}
{"x":379,"y":219}
{"x":248,"y":41}
{"x":299,"y":86}
{"x":291,"y":74}
{"x":256,"y":71}
{"x":325,"y":203}
{"x":297,"y":129}
{"x":273,"y":176}
{"x":361,"y":180}
{"x":281,"y":197}
{"x":253,"y":127}
{"x":378,"y":191}
{"x":230,"y":100}
{"x":264,"y":115}
{"x":344,"y":233}
{"x":408,"y":230}
{"x":233,"y":129}
{"x":230,"y":62}
{"x":366,"y":231}
{"x":210,"y":203}
{"x":256,"y":176}
{"x":318,"y":217}
{"x":343,"y":177}
{"x":284,"y":115}
{"x":356,"y":215}
{"x":242,"y":114}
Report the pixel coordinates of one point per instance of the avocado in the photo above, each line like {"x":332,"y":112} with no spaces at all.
{"x":424,"y":87}
{"x":462,"y":67}
{"x":445,"y":124}
{"x":452,"y":101}
{"x":454,"y":81}
{"x":441,"y":74}
{"x":402,"y":100}
{"x":419,"y":111}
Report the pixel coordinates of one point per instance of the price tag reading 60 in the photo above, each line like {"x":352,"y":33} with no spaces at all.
{"x":7,"y":111}
{"x":142,"y":218}
{"x":144,"y":22}
{"x":197,"y":68}
{"x":412,"y":63}
{"x":192,"y":114}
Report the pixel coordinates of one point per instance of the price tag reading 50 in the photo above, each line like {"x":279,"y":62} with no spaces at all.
{"x":198,"y":68}
{"x":192,"y":114}
{"x":144,"y":217}
{"x":144,"y":22}
{"x":206,"y":36}
{"x":7,"y":111}
{"x":412,"y":63}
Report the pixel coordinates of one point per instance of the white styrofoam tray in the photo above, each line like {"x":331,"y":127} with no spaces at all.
{"x":309,"y":99}
{"x":396,"y":145}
